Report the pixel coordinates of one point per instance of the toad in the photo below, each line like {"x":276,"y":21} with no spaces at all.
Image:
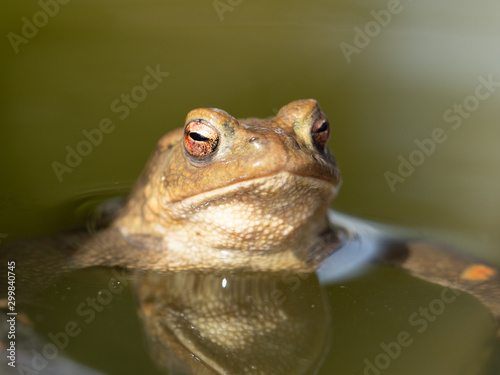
{"x":240,"y":194}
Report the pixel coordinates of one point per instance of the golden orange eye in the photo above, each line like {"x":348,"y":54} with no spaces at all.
{"x":200,"y":139}
{"x":320,"y":132}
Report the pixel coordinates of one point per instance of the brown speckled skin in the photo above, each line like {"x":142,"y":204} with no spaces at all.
{"x":259,"y":202}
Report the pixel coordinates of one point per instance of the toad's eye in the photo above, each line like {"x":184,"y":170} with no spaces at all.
{"x":320,"y":132}
{"x":200,"y":139}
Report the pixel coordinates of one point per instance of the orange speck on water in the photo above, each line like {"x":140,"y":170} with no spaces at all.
{"x":477,"y":272}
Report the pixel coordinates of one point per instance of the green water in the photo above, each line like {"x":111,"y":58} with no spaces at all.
{"x":258,"y":57}
{"x":385,"y":318}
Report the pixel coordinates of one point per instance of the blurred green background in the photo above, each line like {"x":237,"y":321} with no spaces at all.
{"x":250,"y":60}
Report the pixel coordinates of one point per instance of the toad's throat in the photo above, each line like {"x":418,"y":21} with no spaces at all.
{"x":268,"y":213}
{"x":270,"y":193}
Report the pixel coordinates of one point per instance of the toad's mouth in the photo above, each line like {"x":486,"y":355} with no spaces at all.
{"x":264,"y":195}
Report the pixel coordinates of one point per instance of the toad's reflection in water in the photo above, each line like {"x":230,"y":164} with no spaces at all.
{"x":234,"y":323}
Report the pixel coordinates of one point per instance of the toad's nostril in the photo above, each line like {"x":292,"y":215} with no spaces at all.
{"x":256,"y":142}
